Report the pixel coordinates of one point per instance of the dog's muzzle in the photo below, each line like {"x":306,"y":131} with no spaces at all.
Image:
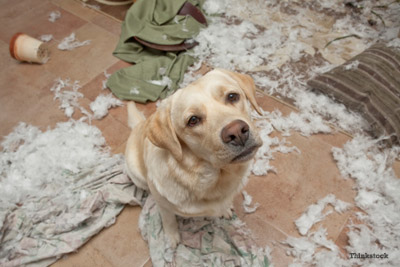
{"x":238,"y":137}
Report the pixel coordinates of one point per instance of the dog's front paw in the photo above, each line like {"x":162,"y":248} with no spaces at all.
{"x":173,"y":238}
{"x":228,"y":213}
{"x":170,"y":226}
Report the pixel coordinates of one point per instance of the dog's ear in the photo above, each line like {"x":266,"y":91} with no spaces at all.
{"x":246,"y":83}
{"x":161,"y":133}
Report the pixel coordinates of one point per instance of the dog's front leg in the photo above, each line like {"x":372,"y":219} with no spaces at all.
{"x":170,"y":226}
{"x":228,"y":213}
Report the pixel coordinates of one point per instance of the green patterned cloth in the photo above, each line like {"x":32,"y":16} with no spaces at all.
{"x":155,"y":74}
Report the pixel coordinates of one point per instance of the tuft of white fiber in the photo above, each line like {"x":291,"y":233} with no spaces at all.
{"x":70,"y":43}
{"x":315,"y":213}
{"x":247,"y":199}
{"x":68,"y":98}
{"x":54,"y":15}
{"x":102,"y":104}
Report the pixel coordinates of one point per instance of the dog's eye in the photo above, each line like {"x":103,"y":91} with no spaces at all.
{"x":193,"y":121}
{"x":232,"y":97}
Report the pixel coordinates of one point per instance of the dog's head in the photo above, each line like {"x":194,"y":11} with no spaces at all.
{"x":211,"y":118}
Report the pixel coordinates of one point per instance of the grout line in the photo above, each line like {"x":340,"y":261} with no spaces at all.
{"x":144,"y":263}
{"x":276,"y":228}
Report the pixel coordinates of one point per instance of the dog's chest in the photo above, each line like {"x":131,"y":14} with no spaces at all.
{"x":220,"y":184}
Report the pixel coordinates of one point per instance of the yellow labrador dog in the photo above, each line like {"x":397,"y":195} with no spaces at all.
{"x":194,"y":152}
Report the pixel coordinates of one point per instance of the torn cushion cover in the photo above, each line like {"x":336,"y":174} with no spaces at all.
{"x":371,"y":87}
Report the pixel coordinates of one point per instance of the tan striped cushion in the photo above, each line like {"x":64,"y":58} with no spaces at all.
{"x":372,"y":88}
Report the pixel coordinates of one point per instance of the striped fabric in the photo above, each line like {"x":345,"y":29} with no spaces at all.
{"x":370,"y":84}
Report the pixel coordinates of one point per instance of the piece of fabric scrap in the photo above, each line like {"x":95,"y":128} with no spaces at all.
{"x":154,"y":21}
{"x":204,"y":241}
{"x":40,"y":231}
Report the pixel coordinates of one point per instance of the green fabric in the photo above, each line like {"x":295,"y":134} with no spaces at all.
{"x":154,"y":21}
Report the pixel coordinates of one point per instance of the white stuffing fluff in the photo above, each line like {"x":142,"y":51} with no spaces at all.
{"x":68,"y":94}
{"x":51,"y":184}
{"x":315,"y":213}
{"x":283,"y":40}
{"x":95,"y":6}
{"x":104,"y":82}
{"x":378,"y":196}
{"x":165,"y":81}
{"x":190,"y":75}
{"x":303,"y":122}
{"x":46,"y":38}
{"x":352,"y":65}
{"x":394,"y":43}
{"x":68,"y":98}
{"x":314,"y":250}
{"x":247,"y":199}
{"x":261,"y":165}
{"x":54,"y":15}
{"x":370,"y":165}
{"x":102,"y":104}
{"x":70,"y":43}
{"x":134,"y":91}
{"x":36,"y":163}
{"x":215,"y":7}
{"x":247,"y":52}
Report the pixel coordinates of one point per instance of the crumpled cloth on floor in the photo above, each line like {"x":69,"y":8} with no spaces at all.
{"x":204,"y":241}
{"x":155,"y":74}
{"x":40,"y":232}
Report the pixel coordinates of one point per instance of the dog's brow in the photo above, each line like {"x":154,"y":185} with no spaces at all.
{"x":218,"y":91}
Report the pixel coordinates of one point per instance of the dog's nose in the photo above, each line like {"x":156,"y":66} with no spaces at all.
{"x":235,"y":133}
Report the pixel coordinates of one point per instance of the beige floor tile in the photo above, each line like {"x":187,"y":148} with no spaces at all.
{"x":113,"y":131}
{"x":301,"y":180}
{"x":270,"y":104}
{"x":107,"y":23}
{"x":77,"y":8}
{"x":12,"y":9}
{"x":20,"y":78}
{"x":24,"y":78}
{"x":342,"y":239}
{"x":122,"y":244}
{"x":265,"y":234}
{"x":117,"y":12}
{"x":121,"y":114}
{"x":5,"y":56}
{"x":28,"y":107}
{"x":94,"y":88}
{"x":148,"y":263}
{"x":39,"y":14}
{"x":120,"y":149}
{"x":87,"y":256}
{"x":86,"y":13}
{"x":86,"y":62}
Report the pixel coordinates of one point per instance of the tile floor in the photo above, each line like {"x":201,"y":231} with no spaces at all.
{"x":301,"y":179}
